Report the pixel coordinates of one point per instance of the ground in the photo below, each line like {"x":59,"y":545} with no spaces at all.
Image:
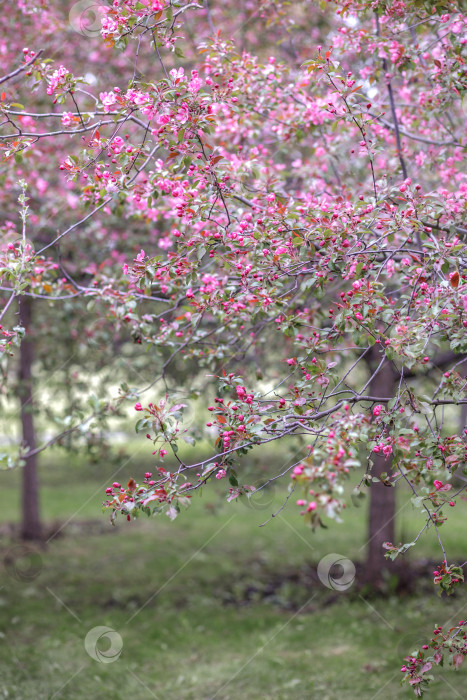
{"x":211,"y":606}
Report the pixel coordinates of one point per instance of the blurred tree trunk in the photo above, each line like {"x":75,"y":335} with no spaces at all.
{"x":463,"y":417}
{"x":31,"y":528}
{"x":382,"y":513}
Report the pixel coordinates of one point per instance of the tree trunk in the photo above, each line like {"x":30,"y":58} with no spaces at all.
{"x":30,"y":524}
{"x":463,"y":416}
{"x":381,"y":520}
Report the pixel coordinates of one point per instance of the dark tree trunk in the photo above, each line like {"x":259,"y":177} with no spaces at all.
{"x":381,"y":519}
{"x":30,"y":523}
{"x":463,"y":416}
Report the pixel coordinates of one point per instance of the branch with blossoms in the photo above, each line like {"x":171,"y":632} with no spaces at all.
{"x":249,"y":421}
{"x":450,"y":645}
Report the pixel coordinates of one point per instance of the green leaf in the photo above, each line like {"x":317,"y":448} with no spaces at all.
{"x":140,"y":424}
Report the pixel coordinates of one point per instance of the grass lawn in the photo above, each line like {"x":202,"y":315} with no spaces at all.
{"x":205,"y":607}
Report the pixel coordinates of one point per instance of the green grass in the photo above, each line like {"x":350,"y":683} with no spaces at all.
{"x":189,"y":601}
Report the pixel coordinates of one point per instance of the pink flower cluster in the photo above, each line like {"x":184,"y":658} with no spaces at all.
{"x":57,"y":80}
{"x":385,"y":449}
{"x":108,"y":100}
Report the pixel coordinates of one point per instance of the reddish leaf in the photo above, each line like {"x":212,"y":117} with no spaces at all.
{"x":454,"y":279}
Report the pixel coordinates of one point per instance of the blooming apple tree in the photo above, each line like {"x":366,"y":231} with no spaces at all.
{"x":298,"y":210}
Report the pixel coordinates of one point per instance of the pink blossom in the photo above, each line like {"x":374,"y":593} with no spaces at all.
{"x":57,"y":80}
{"x":177,"y":75}
{"x":109,"y":27}
{"x":183,"y":114}
{"x":117,"y":145}
{"x":67,"y":118}
{"x":108,"y":99}
{"x":195,"y":83}
{"x":42,"y":185}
